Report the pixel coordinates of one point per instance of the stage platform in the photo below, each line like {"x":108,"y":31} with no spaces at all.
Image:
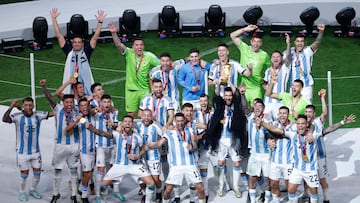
{"x":16,"y":19}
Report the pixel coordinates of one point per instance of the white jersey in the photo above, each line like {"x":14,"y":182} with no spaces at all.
{"x":257,"y":137}
{"x":283,"y":152}
{"x":301,"y":147}
{"x":62,"y":119}
{"x":281,"y":85}
{"x":319,"y":126}
{"x":102,"y":123}
{"x":168,"y":79}
{"x":158,"y":106}
{"x":301,"y":66}
{"x":27,"y":131}
{"x":225,"y":138}
{"x":87,"y":137}
{"x":126,"y":145}
{"x":236,"y":68}
{"x":151,"y":133}
{"x":178,"y":154}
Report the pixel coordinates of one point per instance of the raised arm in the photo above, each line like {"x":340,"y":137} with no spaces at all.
{"x":59,"y":90}
{"x":248,"y":71}
{"x":47,"y":93}
{"x":269,"y":89}
{"x":100,"y":17}
{"x":322,"y":94}
{"x":54,"y":13}
{"x":347,"y":119}
{"x":236,"y":35}
{"x":315,"y":45}
{"x":6,"y":117}
{"x":119,"y":45}
{"x":272,"y":128}
{"x":71,"y":125}
{"x":287,"y":60}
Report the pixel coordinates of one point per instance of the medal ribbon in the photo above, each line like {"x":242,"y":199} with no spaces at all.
{"x":303,"y":148}
{"x":155,"y":108}
{"x":128,"y":145}
{"x":197,"y":77}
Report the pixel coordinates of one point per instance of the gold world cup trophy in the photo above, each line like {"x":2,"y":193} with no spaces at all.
{"x":225,"y":74}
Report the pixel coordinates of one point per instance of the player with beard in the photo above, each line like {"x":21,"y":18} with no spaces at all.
{"x":294,"y":101}
{"x":138,"y":65}
{"x":281,"y":156}
{"x":128,"y":144}
{"x":27,"y":124}
{"x":279,"y":71}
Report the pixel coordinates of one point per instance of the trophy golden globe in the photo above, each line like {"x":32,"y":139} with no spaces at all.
{"x":225,"y":74}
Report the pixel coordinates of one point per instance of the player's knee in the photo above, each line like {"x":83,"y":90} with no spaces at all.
{"x":204,"y":174}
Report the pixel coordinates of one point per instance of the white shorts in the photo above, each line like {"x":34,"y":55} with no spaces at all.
{"x":311,"y":178}
{"x":307,"y":92}
{"x":272,"y":110}
{"x":258,"y":163}
{"x":322,"y":170}
{"x":25,"y":161}
{"x":278,"y":171}
{"x":103,"y":156}
{"x":225,"y":150}
{"x":66,"y":154}
{"x":154,"y":167}
{"x":177,"y":173}
{"x":87,"y":162}
{"x":117,"y":171}
{"x":203,"y":161}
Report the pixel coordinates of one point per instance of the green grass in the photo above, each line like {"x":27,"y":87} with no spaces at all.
{"x":338,"y":55}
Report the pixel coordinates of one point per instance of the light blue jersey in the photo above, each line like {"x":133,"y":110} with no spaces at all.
{"x":257,"y":137}
{"x":301,"y":66}
{"x":282,"y":81}
{"x":283,"y":152}
{"x":126,"y":145}
{"x":102,"y":123}
{"x":151,"y":133}
{"x":62,"y":119}
{"x":87,"y":137}
{"x":158,"y":106}
{"x":319,"y":126}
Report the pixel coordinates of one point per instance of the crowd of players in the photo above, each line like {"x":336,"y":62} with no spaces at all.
{"x":268,"y":138}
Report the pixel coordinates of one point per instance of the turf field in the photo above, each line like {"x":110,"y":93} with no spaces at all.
{"x":338,"y":55}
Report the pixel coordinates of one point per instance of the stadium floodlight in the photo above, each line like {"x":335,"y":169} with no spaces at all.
{"x":40,"y":31}
{"x":215,"y":21}
{"x":169,"y":22}
{"x":78,"y":27}
{"x":253,"y":14}
{"x":344,"y":18}
{"x":308,"y":17}
{"x":129,"y":25}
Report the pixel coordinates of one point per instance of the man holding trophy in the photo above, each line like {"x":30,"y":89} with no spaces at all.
{"x":225,"y":69}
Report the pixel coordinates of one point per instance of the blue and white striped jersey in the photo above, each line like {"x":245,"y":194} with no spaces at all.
{"x":158,"y":106}
{"x":281,"y":85}
{"x":179,"y":155}
{"x":87,"y":138}
{"x":311,"y":149}
{"x":319,"y":126}
{"x":301,"y":66}
{"x":62,"y":119}
{"x":102,"y":120}
{"x":28,"y":131}
{"x":151,"y":133}
{"x":257,"y":137}
{"x":283,"y":152}
{"x":126,"y":145}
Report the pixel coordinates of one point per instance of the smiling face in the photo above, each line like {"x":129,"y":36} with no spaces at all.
{"x":283,"y":116}
{"x":228,"y":97}
{"x":256,"y":44}
{"x":165,"y":62}
{"x":194,"y":58}
{"x":28,"y":107}
{"x":258,"y":109}
{"x":223,"y":54}
{"x":127,"y":125}
{"x":83,"y":107}
{"x":146,"y":117}
{"x":77,"y":43}
{"x":180,"y":122}
{"x":204,"y":103}
{"x":157,"y":89}
{"x":106,"y":104}
{"x":138,"y":46}
{"x":301,"y":125}
{"x":276,"y":59}
{"x":310,"y":114}
{"x":296,"y":89}
{"x":188,"y":113}
{"x":299,"y":43}
{"x":68,"y":104}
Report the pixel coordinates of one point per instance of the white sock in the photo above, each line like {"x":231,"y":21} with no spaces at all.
{"x":74,"y":179}
{"x":314,"y":198}
{"x":252,"y":194}
{"x":35,"y":180}
{"x":267,"y":196}
{"x":98,"y":179}
{"x":245,"y":181}
{"x":325,"y":193}
{"x":56,"y":183}
{"x":149,"y":191}
{"x":23,"y":178}
{"x":236,"y":177}
{"x":206,"y":185}
{"x":177,"y":191}
{"x":275,"y":198}
{"x":293,"y":198}
{"x":193,"y":193}
{"x":221,"y":176}
{"x":84,"y":191}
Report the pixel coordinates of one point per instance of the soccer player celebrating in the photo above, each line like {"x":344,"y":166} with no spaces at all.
{"x":27,"y":124}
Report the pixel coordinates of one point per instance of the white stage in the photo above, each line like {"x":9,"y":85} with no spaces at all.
{"x":16,"y":19}
{"x":343,"y":151}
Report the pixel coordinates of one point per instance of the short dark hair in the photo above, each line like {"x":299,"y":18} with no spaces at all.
{"x":284,"y":107}
{"x":156,"y":80}
{"x":179,"y":114}
{"x":128,"y":116}
{"x":67,"y":96}
{"x":204,"y":95}
{"x":187,"y":105}
{"x":302,"y":116}
{"x":310,"y":106}
{"x":28,"y":99}
{"x":137,"y":38}
{"x":105,"y":96}
{"x":223,"y":45}
{"x":300,"y":35}
{"x":194,"y":50}
{"x":299,"y":81}
{"x":258,"y":100}
{"x":94,"y":85}
{"x":82,"y":100}
{"x":277,"y":51}
{"x":257,"y":35}
{"x":227,"y":89}
{"x":165,"y":54}
{"x":76,"y":84}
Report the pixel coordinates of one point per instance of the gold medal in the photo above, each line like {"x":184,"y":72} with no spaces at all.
{"x":76,"y":75}
{"x":222,"y":121}
{"x":82,"y":120}
{"x":70,"y":132}
{"x":185,"y":144}
{"x":164,"y":92}
{"x":305,"y":158}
